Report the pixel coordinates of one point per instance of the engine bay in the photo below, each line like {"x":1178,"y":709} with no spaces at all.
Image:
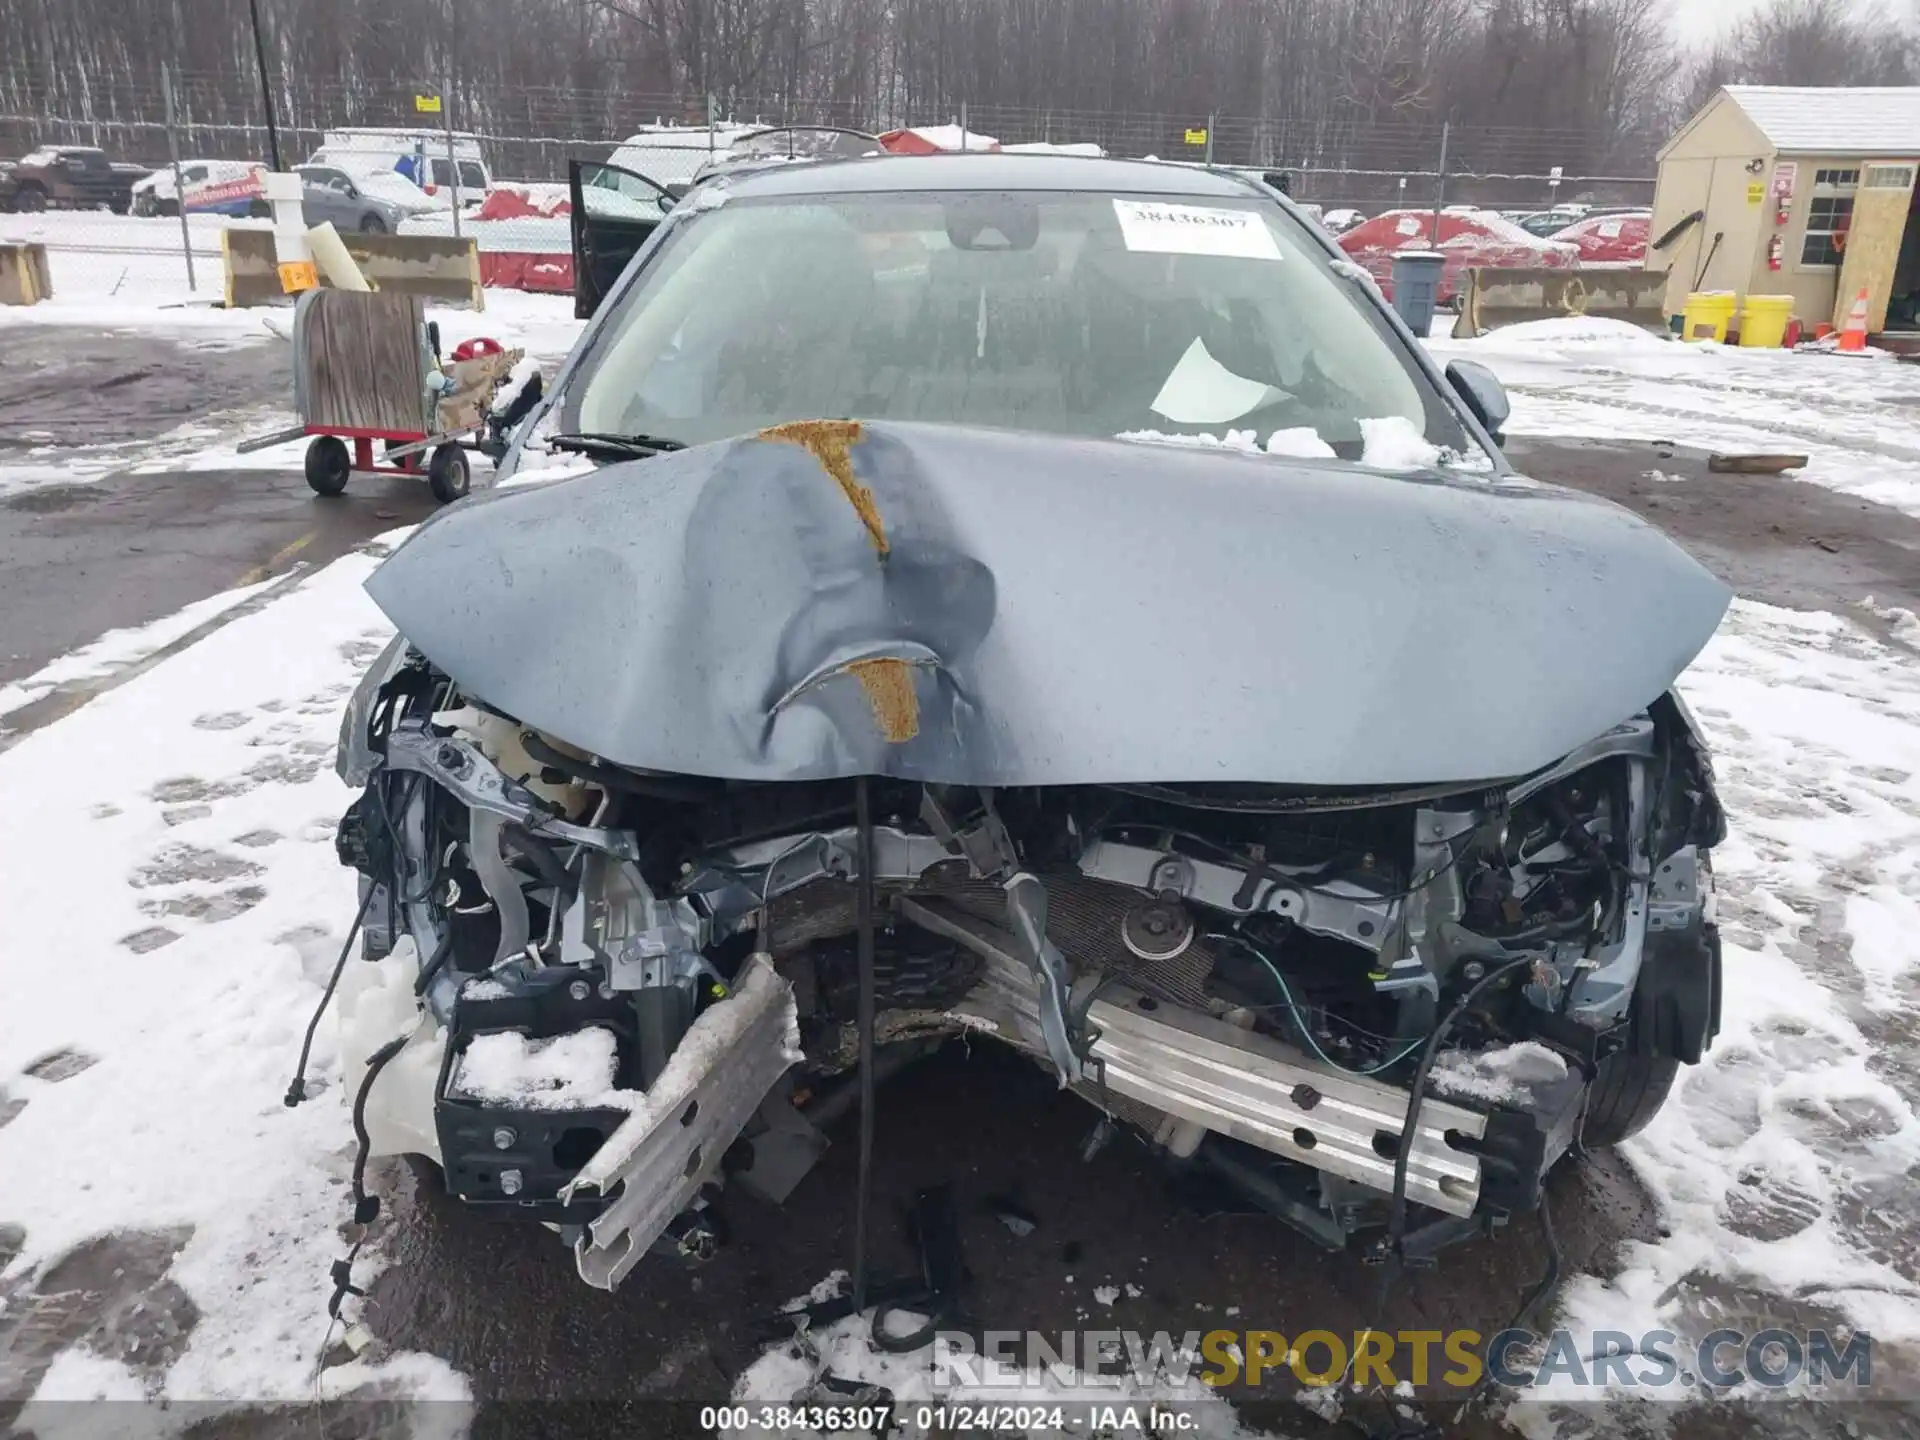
{"x":1322,"y":995}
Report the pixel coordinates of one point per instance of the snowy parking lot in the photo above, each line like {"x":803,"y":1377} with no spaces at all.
{"x":167,"y":1224}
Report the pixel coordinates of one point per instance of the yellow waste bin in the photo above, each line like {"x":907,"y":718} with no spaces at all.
{"x":1707,"y":315}
{"x":1763,"y":320}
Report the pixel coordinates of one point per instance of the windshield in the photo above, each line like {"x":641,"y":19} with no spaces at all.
{"x":1063,"y":313}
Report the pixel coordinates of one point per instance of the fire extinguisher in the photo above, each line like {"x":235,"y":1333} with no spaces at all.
{"x":1773,"y":252}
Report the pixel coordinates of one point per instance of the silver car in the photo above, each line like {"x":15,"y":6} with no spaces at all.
{"x":329,"y":194}
{"x":1313,"y":797}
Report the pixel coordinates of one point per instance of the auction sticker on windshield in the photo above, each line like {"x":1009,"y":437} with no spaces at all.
{"x":1194,"y":230}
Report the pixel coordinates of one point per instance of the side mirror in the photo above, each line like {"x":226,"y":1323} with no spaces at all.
{"x":1484,"y":395}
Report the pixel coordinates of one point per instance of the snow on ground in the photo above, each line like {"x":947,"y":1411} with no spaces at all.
{"x":1784,"y":1165}
{"x":119,"y":648}
{"x":174,"y":838}
{"x":119,"y":275}
{"x":1856,"y":417}
{"x":792,"y":1373}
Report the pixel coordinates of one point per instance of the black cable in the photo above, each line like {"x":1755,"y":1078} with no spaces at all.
{"x":297,"y":1091}
{"x":1541,"y":1289}
{"x":863,"y":819}
{"x":414,"y":781}
{"x":366,"y":1208}
{"x":435,"y":963}
{"x":913,"y":1340}
{"x":1397,"y":1210}
{"x":564,"y":882}
{"x":376,"y":1062}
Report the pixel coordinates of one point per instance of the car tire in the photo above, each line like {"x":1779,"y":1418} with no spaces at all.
{"x":448,"y":474}
{"x":1628,"y":1089}
{"x":169,"y":208}
{"x":30,"y":200}
{"x":259,"y":210}
{"x":328,"y":465}
{"x":372,"y":225}
{"x":429,"y":1178}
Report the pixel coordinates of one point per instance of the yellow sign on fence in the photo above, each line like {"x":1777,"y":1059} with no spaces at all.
{"x":1196,"y":137}
{"x":427,"y":104}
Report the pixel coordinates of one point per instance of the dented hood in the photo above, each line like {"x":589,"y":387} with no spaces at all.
{"x":978,"y":607}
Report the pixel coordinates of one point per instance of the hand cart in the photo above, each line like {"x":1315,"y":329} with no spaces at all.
{"x":367,"y":368}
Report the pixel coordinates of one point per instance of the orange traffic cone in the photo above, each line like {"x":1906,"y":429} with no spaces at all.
{"x":1853,"y":335}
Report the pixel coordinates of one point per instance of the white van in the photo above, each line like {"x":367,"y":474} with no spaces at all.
{"x":670,"y":155}
{"x":366,"y":151}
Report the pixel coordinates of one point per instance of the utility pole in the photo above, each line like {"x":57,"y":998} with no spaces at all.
{"x":453,"y":163}
{"x":179,"y":189}
{"x":266,"y":87}
{"x":1440,"y":191}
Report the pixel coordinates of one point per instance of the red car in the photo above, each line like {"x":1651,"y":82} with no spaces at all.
{"x":1609,"y":239}
{"x":1468,"y":238}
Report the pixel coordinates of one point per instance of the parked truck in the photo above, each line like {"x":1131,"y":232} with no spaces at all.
{"x":68,"y":177}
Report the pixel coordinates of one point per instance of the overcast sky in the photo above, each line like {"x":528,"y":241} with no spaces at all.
{"x":1701,"y":20}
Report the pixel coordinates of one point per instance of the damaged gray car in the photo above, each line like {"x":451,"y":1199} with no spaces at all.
{"x":1042,"y":599}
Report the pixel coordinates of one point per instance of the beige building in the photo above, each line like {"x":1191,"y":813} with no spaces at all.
{"x":1784,"y":190}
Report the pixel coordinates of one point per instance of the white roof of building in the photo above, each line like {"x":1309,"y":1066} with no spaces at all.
{"x":1831,"y":120}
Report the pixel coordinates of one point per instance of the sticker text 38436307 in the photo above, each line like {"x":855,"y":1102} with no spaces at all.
{"x":1171,"y":229}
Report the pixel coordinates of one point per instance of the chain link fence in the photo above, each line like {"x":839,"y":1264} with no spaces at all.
{"x":520,"y":140}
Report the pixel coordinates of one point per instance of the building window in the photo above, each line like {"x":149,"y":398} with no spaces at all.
{"x":1827,"y":222}
{"x":1836,"y":179}
{"x":1889,"y":177}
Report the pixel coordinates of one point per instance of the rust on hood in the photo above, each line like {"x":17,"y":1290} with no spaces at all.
{"x":831,"y":443}
{"x":888,"y":684}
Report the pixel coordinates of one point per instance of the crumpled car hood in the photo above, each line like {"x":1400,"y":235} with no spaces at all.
{"x":977,"y":607}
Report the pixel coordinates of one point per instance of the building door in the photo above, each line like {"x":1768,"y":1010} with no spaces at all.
{"x":1872,"y":247}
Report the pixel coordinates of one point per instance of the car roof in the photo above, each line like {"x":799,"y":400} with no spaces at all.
{"x":988,"y":170}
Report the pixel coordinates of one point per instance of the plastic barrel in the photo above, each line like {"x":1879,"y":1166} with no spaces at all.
{"x":1763,"y":320}
{"x":1416,"y":287}
{"x":1707,"y":314}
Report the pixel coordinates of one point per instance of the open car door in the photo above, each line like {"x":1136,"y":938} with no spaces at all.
{"x":614,"y":211}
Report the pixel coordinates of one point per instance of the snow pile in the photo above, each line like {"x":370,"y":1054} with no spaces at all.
{"x":1300,"y":442}
{"x":1859,"y":425}
{"x":187,"y":908}
{"x":564,"y":1072}
{"x":1495,"y":1075}
{"x":941,"y":137}
{"x":1042,"y":147}
{"x":793,"y":1373}
{"x":1247,"y":442}
{"x":1782,"y":1163}
{"x":1393,"y":442}
{"x":837,"y":1283}
{"x":1904,"y":624}
{"x":1579,"y":330}
{"x":1497,"y":227}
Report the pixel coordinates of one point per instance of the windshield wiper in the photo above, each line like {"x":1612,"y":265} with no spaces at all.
{"x":607,"y":445}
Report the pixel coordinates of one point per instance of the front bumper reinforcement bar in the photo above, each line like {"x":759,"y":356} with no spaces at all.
{"x":674,"y":1140}
{"x":1235,"y":1082}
